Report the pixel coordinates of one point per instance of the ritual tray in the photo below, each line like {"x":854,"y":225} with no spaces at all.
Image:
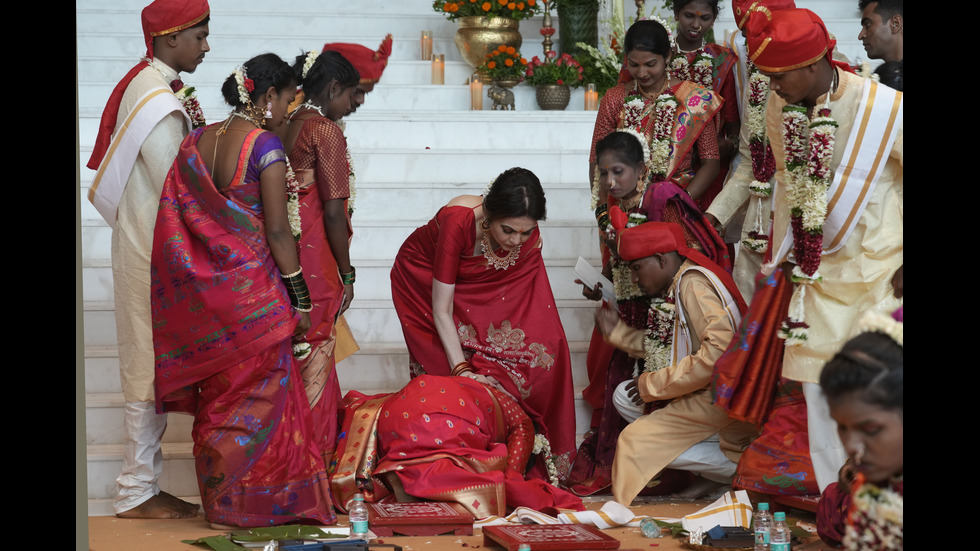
{"x":428,"y":518}
{"x":548,"y":536}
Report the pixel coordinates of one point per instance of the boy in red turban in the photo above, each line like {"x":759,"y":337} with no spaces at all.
{"x":692,"y":319}
{"x":147,"y":116}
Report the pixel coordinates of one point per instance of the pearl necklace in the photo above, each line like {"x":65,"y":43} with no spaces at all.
{"x":497,"y":262}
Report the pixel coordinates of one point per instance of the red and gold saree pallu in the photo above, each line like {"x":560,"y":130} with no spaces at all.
{"x":222,"y":329}
{"x":327,"y":293}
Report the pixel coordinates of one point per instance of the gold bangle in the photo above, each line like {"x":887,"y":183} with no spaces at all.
{"x":460,"y":368}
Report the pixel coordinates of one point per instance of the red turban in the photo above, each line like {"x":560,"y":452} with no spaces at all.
{"x":650,"y":238}
{"x":160,"y":18}
{"x":369,"y":64}
{"x":163,"y":17}
{"x":743,"y":7}
{"x":785,"y":40}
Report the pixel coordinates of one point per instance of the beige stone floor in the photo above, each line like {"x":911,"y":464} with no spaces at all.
{"x":113,"y":534}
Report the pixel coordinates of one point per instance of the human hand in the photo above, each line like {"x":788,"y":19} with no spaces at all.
{"x":718,"y":226}
{"x":846,"y":475}
{"x":898,"y":281}
{"x":592,"y":294}
{"x":348,"y":297}
{"x":606,"y":318}
{"x":633,"y":392}
{"x":302,"y":326}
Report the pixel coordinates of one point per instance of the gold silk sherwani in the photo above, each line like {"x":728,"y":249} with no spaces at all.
{"x":132,"y":238}
{"x":857,"y":276}
{"x":652,"y":442}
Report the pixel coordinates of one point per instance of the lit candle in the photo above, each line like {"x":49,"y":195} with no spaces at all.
{"x":438,"y":68}
{"x":476,"y":92}
{"x":426,"y":45}
{"x":591,"y":97}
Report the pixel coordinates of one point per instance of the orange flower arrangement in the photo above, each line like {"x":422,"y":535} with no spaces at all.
{"x":514,"y":9}
{"x":504,"y":63}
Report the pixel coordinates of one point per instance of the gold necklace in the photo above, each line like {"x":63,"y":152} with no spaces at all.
{"x":497,"y":262}
{"x":653,"y":97}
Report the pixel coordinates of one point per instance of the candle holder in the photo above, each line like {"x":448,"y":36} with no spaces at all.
{"x":426,"y":45}
{"x":476,"y":92}
{"x":438,"y":68}
{"x":591,"y":97}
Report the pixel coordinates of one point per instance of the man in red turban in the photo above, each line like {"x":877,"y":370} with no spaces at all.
{"x":370,"y":64}
{"x":694,"y":315}
{"x":147,"y":116}
{"x":837,"y":224}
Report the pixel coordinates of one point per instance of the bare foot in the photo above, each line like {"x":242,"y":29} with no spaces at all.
{"x":162,"y":505}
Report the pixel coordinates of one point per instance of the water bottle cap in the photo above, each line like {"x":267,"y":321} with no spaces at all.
{"x":763,"y":506}
{"x":780,"y":515}
{"x":358,"y":497}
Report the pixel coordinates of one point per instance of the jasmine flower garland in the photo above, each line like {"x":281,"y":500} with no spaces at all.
{"x":763,"y":163}
{"x":659,"y":336}
{"x":543,"y":446}
{"x":809,"y":152}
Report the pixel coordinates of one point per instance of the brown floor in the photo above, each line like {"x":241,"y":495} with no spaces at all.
{"x":114,"y":534}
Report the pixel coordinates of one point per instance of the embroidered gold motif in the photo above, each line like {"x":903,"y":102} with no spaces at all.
{"x":505,"y":338}
{"x":541,"y":356}
{"x":466,"y":333}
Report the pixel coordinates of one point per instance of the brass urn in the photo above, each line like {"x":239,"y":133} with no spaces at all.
{"x":477,"y":36}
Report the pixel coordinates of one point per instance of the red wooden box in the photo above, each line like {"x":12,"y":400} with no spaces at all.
{"x":548,"y":536}
{"x":423,"y":518}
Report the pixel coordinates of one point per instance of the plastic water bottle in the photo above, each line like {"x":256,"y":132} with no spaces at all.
{"x":761,"y":524}
{"x":779,"y":535}
{"x":358,"y":518}
{"x":650,"y":528}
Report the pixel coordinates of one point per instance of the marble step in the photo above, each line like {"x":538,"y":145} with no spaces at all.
{"x":412,"y":203}
{"x":371,"y":321}
{"x":373,"y":282}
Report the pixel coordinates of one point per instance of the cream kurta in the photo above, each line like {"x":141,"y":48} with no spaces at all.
{"x":856,"y":277}
{"x":649,"y":444}
{"x":132,"y":238}
{"x":735,"y":201}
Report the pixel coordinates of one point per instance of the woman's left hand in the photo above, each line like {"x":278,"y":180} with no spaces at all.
{"x":302,"y":326}
{"x":348,"y":298}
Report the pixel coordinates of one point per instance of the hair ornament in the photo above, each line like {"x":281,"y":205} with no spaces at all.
{"x":878,"y":322}
{"x":245,"y":85}
{"x":643,"y":144}
{"x":310,"y":60}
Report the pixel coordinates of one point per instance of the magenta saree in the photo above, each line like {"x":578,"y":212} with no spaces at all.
{"x":222,"y":326}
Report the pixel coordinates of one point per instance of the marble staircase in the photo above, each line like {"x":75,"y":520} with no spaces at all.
{"x":414,"y":145}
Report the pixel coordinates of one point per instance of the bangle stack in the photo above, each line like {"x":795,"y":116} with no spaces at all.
{"x":602,"y":216}
{"x":348,"y":278}
{"x":460,"y":368}
{"x":299,"y":294}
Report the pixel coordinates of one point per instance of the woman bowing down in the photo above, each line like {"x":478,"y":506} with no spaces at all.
{"x":473,"y":298}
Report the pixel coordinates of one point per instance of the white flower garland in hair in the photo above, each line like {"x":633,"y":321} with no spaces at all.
{"x":543,"y":446}
{"x":643,"y":143}
{"x":877,"y":322}
{"x":245,"y":85}
{"x":310,"y":59}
